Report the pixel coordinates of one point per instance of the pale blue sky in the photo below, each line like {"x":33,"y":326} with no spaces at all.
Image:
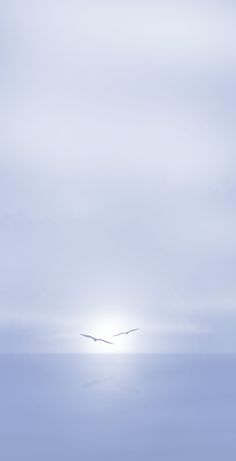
{"x":118,"y":173}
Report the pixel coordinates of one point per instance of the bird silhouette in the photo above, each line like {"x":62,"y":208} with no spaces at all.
{"x":96,"y":339}
{"x":126,"y":332}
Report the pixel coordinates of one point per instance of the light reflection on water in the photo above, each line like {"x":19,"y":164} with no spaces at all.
{"x":77,"y":407}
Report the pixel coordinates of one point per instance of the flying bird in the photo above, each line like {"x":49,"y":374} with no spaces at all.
{"x":96,"y":339}
{"x":126,"y":332}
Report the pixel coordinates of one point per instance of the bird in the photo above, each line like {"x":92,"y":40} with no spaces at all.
{"x":126,"y":332}
{"x":95,"y":339}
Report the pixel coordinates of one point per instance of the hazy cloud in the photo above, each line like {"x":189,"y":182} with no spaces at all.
{"x":117,"y":168}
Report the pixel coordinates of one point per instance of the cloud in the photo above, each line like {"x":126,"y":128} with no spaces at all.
{"x":117,"y":177}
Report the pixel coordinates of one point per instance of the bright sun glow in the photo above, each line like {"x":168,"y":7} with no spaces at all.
{"x":106,"y":327}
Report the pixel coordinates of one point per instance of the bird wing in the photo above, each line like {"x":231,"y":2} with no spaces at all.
{"x":126,"y":332}
{"x":119,"y":334}
{"x":104,"y":341}
{"x":87,"y":336}
{"x":131,"y":331}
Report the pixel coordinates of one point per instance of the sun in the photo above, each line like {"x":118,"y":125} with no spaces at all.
{"x":105,"y":327}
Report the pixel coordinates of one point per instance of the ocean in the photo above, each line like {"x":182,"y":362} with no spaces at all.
{"x":117,"y":407}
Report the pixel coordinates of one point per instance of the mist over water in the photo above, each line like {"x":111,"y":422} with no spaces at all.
{"x":122,"y":407}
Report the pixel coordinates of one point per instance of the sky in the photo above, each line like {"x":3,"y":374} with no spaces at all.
{"x":117,"y":175}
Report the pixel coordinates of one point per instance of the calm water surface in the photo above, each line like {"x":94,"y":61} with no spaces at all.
{"x":117,"y":407}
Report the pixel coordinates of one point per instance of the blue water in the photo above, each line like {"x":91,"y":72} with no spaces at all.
{"x":117,"y":407}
